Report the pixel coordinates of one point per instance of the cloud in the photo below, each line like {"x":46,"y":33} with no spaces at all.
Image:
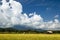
{"x":9,"y":11}
{"x":56,"y":16}
{"x":11,"y":14}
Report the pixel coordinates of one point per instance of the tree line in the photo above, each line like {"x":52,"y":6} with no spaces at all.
{"x":29,"y":31}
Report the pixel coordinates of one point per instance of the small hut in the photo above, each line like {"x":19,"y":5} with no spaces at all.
{"x":49,"y":32}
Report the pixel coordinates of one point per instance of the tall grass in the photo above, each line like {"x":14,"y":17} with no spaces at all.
{"x":29,"y":36}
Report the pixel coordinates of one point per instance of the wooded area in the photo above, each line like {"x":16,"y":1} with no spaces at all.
{"x":11,"y":30}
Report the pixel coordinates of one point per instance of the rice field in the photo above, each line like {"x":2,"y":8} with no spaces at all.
{"x":29,"y":36}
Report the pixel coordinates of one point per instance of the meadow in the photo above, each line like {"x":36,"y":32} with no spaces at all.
{"x":29,"y":36}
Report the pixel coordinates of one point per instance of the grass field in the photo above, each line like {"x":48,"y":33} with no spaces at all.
{"x":29,"y":36}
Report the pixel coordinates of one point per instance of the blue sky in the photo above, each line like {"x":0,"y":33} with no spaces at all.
{"x":44,"y":14}
{"x":46,"y":8}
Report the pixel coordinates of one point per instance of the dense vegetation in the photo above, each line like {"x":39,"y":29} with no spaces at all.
{"x":12,"y":30}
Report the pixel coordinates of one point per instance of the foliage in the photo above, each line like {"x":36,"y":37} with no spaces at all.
{"x":35,"y":31}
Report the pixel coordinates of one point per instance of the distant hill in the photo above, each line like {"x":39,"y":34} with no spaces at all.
{"x":24,"y":29}
{"x":19,"y":27}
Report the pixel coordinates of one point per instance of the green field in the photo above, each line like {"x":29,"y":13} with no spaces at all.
{"x":29,"y":36}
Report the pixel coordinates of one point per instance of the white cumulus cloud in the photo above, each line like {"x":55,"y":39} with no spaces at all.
{"x":11,"y":14}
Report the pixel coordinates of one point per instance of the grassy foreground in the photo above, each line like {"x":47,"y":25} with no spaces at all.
{"x":29,"y":36}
